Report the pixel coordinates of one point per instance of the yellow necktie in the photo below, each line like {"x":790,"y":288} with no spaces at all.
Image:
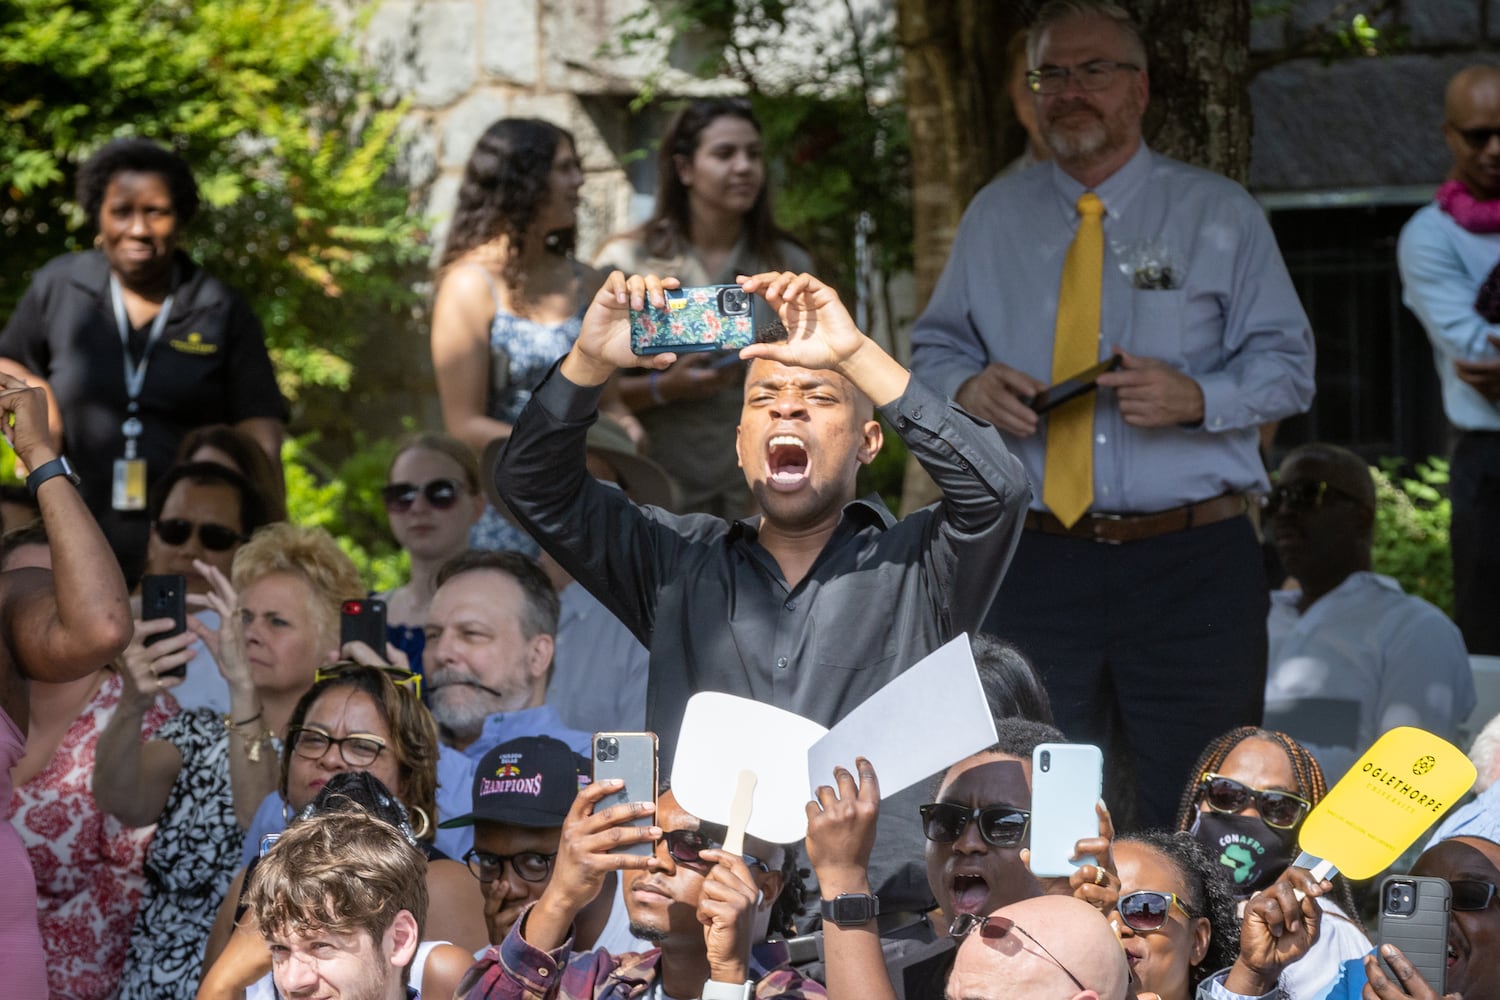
{"x":1068,"y":481}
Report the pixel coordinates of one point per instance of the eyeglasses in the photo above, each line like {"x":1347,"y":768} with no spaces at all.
{"x":1146,"y":909}
{"x":400,"y":676}
{"x":687,"y":846}
{"x":531,"y":866}
{"x":1477,"y":138}
{"x":994,"y":927}
{"x":440,"y":493}
{"x":1282,"y":810}
{"x":1471,"y":894}
{"x":999,"y":826}
{"x":213,"y":537}
{"x":1095,"y":75}
{"x":357,"y":750}
{"x":1304,"y":496}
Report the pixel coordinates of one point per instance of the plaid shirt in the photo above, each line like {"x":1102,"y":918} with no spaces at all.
{"x":515,"y":970}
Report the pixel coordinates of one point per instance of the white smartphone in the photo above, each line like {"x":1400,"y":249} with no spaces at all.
{"x":1066,"y":782}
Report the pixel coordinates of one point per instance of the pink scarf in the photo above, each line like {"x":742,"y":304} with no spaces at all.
{"x":1474,"y":215}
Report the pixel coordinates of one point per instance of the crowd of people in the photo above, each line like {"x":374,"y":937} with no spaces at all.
{"x":250,"y":804}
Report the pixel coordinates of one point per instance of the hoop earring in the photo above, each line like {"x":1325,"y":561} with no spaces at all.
{"x":425,"y":827}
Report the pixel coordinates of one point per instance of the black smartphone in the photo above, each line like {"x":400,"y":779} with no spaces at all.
{"x":363,"y":620}
{"x":165,"y":596}
{"x":1071,"y":388}
{"x":631,"y":756}
{"x":1414,"y":917}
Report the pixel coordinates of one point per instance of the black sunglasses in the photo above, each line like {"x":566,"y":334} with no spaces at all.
{"x":213,"y":537}
{"x":687,"y":846}
{"x":1304,"y":496}
{"x":440,"y":493}
{"x":999,"y":826}
{"x":1282,"y":810}
{"x":531,"y":866}
{"x":1147,"y":909}
{"x":1477,"y":138}
{"x":1471,"y":894}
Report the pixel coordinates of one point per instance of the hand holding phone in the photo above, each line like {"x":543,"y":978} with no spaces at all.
{"x":165,"y":596}
{"x":363,"y":620}
{"x":1071,"y":388}
{"x":632,"y":758}
{"x":1414,"y":917}
{"x":1066,"y":782}
{"x":701,"y":318}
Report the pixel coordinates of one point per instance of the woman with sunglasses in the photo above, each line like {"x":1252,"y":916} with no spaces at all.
{"x":1175,"y":916}
{"x":201,"y":776}
{"x":1251,"y":789}
{"x":362,"y":718}
{"x":432,"y":500}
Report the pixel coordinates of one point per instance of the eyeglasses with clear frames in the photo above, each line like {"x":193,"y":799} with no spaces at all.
{"x":1094,"y":75}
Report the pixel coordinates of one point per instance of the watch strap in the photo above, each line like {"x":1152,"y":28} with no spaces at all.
{"x":851,"y":909}
{"x":59,"y":466}
{"x":713,"y":990}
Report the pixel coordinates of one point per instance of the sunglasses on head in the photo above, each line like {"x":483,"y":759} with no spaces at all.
{"x":1282,"y":810}
{"x":213,"y":537}
{"x":1471,"y":894}
{"x":1302,"y":496}
{"x":1146,"y":909}
{"x":999,"y":826}
{"x":687,"y":846}
{"x":996,"y":926}
{"x":400,"y":676}
{"x":440,"y":493}
{"x":1477,"y":138}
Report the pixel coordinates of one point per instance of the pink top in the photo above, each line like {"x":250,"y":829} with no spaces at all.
{"x":88,"y":865}
{"x":20,"y":942}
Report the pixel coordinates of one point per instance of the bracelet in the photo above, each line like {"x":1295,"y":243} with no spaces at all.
{"x":231,"y":726}
{"x":656,"y":395}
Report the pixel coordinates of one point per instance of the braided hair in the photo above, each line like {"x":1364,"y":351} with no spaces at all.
{"x":1307,"y":775}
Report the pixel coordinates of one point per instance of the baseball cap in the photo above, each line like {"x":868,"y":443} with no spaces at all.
{"x":530,"y":781}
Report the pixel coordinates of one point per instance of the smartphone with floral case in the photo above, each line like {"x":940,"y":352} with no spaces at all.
{"x":701,"y":318}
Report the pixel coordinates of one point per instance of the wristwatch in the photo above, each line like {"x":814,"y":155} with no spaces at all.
{"x":59,"y":466}
{"x":713,"y":990}
{"x":851,"y":909}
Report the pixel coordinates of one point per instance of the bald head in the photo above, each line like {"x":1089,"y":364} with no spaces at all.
{"x":1076,"y":935}
{"x":1471,"y":128}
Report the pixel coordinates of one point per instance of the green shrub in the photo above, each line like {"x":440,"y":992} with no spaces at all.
{"x":1411,"y":529}
{"x":345,"y":501}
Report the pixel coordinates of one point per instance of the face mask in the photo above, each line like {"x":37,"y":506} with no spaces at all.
{"x":1253,"y":853}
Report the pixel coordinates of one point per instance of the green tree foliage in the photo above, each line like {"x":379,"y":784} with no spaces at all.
{"x":267,"y":101}
{"x":345,"y":501}
{"x":831,"y":115}
{"x":1411,"y":529}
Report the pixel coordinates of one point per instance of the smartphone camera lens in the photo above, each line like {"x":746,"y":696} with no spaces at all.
{"x":1046,"y":760}
{"x":733,"y":302}
{"x":1400,"y":899}
{"x":607,"y":748}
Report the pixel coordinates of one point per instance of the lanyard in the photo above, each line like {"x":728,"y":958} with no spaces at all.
{"x":135,"y":374}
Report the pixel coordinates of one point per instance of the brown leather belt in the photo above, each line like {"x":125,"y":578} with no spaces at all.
{"x":1115,"y":529}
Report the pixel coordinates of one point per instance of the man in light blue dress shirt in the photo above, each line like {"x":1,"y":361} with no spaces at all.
{"x":1446,"y":252}
{"x":1146,"y":617}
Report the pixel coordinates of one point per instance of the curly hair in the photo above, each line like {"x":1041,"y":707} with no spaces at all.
{"x":1306,"y":774}
{"x":308,"y":553}
{"x":505,"y":182}
{"x":414,"y":735}
{"x":670,"y":224}
{"x":1208,"y":894}
{"x":140,"y":156}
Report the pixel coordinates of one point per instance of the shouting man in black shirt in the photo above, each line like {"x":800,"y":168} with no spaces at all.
{"x":818,"y":602}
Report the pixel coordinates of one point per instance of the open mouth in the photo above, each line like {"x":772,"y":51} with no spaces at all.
{"x":786,"y":459}
{"x":970,"y":893}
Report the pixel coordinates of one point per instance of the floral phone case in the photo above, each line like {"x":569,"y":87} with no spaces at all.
{"x":702,"y":318}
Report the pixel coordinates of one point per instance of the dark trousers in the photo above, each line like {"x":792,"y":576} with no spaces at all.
{"x":1148,"y":649}
{"x":1474,"y":487}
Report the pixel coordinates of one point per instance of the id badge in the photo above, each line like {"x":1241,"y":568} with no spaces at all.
{"x":129,"y":484}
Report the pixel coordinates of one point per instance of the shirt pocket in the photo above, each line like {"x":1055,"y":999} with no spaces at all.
{"x":1157,"y":325}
